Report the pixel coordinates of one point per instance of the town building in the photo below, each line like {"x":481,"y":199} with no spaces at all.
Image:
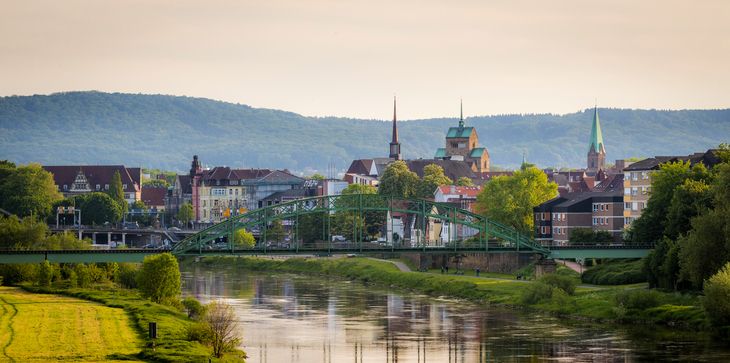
{"x":637,"y":179}
{"x":462,"y":144}
{"x":72,"y":180}
{"x":154,"y":197}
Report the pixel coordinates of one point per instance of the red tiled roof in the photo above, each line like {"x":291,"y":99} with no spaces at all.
{"x":154,"y":196}
{"x":470,"y":192}
{"x":95,"y":174}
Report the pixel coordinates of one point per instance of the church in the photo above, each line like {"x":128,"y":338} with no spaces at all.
{"x":462,"y":143}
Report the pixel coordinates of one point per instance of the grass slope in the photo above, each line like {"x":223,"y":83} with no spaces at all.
{"x":172,"y":325}
{"x":46,"y":328}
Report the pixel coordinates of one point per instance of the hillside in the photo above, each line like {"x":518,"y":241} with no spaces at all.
{"x":164,"y":132}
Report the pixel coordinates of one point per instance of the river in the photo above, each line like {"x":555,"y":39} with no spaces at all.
{"x":298,"y":318}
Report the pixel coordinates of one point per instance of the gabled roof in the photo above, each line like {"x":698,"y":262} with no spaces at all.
{"x":455,"y":132}
{"x":467,"y":192}
{"x":440,"y":152}
{"x":477,"y":152}
{"x":94,"y":174}
{"x":153,"y":196}
{"x":612,"y":182}
{"x":279,"y":176}
{"x":360,"y":166}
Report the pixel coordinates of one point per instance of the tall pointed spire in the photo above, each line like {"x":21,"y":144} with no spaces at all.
{"x":461,"y":119}
{"x":395,"y":144}
{"x":596,"y":141}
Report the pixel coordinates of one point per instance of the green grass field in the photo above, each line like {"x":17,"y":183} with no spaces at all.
{"x":51,"y":328}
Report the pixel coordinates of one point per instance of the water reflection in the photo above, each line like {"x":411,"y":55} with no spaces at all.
{"x":293,"y":318}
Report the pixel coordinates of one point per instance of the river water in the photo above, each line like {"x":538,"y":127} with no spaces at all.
{"x":298,"y":318}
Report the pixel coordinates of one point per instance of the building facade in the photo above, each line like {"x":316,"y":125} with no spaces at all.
{"x":72,"y":180}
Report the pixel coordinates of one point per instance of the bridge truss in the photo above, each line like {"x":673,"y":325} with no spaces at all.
{"x":489,"y":236}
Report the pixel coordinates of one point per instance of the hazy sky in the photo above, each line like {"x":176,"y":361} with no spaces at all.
{"x":348,"y":58}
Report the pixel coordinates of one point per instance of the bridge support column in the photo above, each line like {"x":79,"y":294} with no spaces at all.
{"x":80,"y":238}
{"x":109,"y":239}
{"x":545,"y":267}
{"x":124,"y":239}
{"x":93,"y":238}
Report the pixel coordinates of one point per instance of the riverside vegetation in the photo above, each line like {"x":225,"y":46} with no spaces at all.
{"x":114,"y":327}
{"x":555,"y":293}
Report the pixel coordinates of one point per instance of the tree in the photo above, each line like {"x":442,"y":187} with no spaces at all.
{"x":99,"y":208}
{"x":142,"y":219}
{"x":510,"y":199}
{"x":21,"y":235}
{"x":186,"y":213}
{"x":319,"y":177}
{"x":116,"y":192}
{"x":46,"y":274}
{"x":155,"y":183}
{"x":243,"y":239}
{"x":433,"y":177}
{"x":585,"y":236}
{"x":717,"y":297}
{"x":6,"y":168}
{"x":159,"y":278}
{"x":193,"y":306}
{"x":359,"y":189}
{"x":220,"y":318}
{"x":398,"y":181}
{"x":276,"y":231}
{"x":464,"y":182}
{"x":29,"y":190}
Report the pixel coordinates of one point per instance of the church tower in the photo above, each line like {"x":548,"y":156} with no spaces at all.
{"x":395,"y":144}
{"x":596,"y":150}
{"x":462,"y":143}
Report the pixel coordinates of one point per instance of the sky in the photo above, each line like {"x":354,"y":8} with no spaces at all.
{"x":348,"y":58}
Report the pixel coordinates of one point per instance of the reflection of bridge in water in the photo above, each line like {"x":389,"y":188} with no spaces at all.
{"x":488,"y":236}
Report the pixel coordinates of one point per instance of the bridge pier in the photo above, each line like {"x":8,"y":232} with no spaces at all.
{"x":109,"y":239}
{"x":545,"y":266}
{"x":124,"y":239}
{"x":93,"y":237}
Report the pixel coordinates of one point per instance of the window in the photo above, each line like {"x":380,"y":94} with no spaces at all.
{"x":595,"y":221}
{"x":634,"y":191}
{"x":65,"y":187}
{"x":595,"y":207}
{"x":473,"y":144}
{"x":603,"y":207}
{"x":627,"y":176}
{"x":217,"y":182}
{"x":124,"y":186}
{"x":230,"y":191}
{"x":555,"y":230}
{"x":537,"y":216}
{"x":204,"y":203}
{"x":236,"y":191}
{"x":215,"y":202}
{"x":462,"y":145}
{"x":627,"y":221}
{"x":634,"y":176}
{"x":98,"y":186}
{"x":627,"y":206}
{"x":555,"y":215}
{"x":126,"y":195}
{"x":454,"y":144}
{"x":644,"y":176}
{"x":634,"y":206}
{"x":643,"y":190}
{"x":234,"y":182}
{"x":627,"y":191}
{"x":106,"y":186}
{"x":643,"y":205}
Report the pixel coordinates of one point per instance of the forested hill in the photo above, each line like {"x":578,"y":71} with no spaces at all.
{"x":164,"y":132}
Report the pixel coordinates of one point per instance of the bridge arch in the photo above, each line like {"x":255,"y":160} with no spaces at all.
{"x":505,"y":238}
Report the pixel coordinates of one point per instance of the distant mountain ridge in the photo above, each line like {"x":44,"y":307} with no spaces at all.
{"x":160,"y":131}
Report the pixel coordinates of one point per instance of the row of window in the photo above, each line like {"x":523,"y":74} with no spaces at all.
{"x":634,"y":205}
{"x":600,"y":221}
{"x":635,"y":175}
{"x":600,"y":207}
{"x":628,"y":220}
{"x":560,"y":231}
{"x":635,"y":190}
{"x":82,"y":186}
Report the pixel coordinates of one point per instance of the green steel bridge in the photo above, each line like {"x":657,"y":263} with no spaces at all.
{"x":465,"y":232}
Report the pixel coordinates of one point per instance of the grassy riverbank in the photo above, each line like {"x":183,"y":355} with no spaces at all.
{"x":608,"y":305}
{"x":123,"y":308}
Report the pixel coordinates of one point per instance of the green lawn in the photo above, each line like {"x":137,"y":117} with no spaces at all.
{"x":48,"y":328}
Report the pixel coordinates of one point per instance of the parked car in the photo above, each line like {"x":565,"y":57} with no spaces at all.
{"x":132,"y":226}
{"x":174,"y":229}
{"x":150,"y":246}
{"x":220,"y":246}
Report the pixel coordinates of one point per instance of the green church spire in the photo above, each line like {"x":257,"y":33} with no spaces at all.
{"x":461,"y":120}
{"x":596,"y":138}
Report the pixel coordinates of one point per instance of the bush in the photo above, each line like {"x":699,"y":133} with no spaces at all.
{"x":536,"y":292}
{"x":127,"y":275}
{"x":199,"y":332}
{"x":562,"y":282}
{"x":644,"y":299}
{"x":194,"y":308}
{"x":717,"y":297}
{"x":615,"y":272}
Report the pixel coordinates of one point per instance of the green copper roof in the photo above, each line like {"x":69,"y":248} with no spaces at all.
{"x":596,"y":137}
{"x":459,"y":132}
{"x":476,"y":152}
{"x":440,"y":152}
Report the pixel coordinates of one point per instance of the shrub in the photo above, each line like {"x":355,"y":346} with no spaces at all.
{"x":536,"y":292}
{"x":45,"y":276}
{"x":562,"y":282}
{"x":199,"y":332}
{"x":73,"y":280}
{"x":159,"y":279}
{"x":621,"y":297}
{"x":644,"y":299}
{"x":127,"y":275}
{"x":717,"y":297}
{"x":560,"y":298}
{"x":615,"y":272}
{"x":194,"y":308}
{"x":619,"y":311}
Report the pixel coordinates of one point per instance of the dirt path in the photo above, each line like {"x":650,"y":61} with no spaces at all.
{"x":572,"y":265}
